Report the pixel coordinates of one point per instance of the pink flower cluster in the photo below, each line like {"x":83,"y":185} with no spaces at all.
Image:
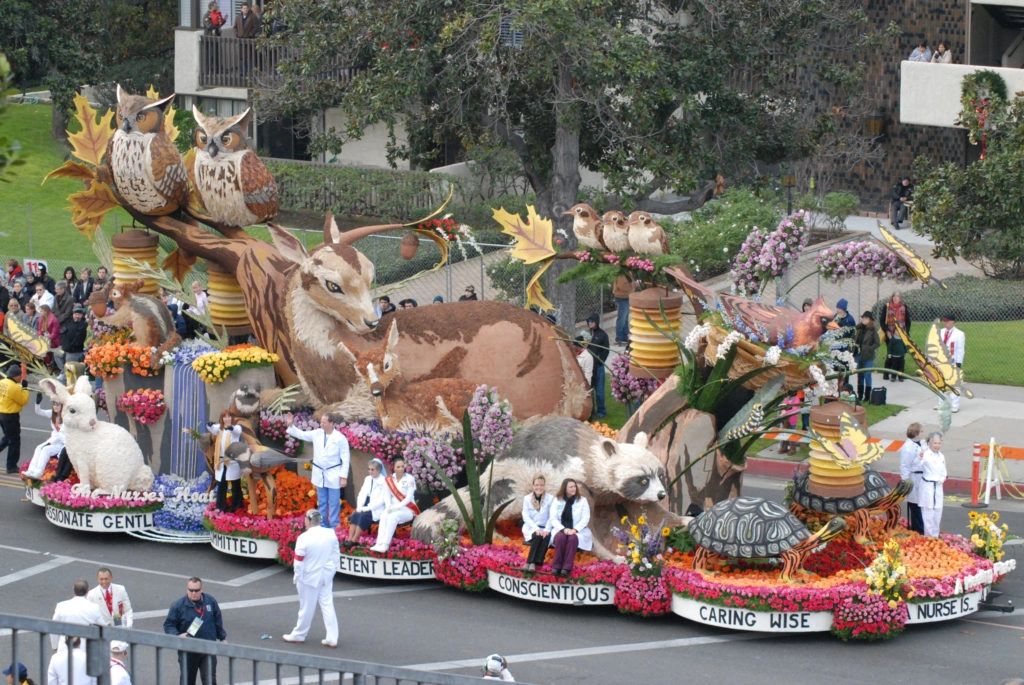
{"x":640,"y":264}
{"x":400,"y":548}
{"x":642,"y":595}
{"x":764,"y":256}
{"x":626,"y":387}
{"x":868,"y":617}
{"x":583,"y":256}
{"x":861,"y":258}
{"x":490,"y":418}
{"x":64,"y":494}
{"x":465,"y":571}
{"x":145,"y":406}
{"x":611,"y":258}
{"x":273,"y":426}
{"x":422,"y":452}
{"x":756,"y":597}
{"x":369,"y":438}
{"x":285,"y":531}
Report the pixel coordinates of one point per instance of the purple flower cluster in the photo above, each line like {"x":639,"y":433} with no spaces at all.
{"x":626,"y":387}
{"x":766,"y":255}
{"x":861,"y":258}
{"x":369,"y":437}
{"x":273,"y":426}
{"x":420,"y":449}
{"x":491,"y":420}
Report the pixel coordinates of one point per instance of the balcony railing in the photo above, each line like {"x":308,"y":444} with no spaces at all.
{"x":930,"y":93}
{"x":244,"y":63}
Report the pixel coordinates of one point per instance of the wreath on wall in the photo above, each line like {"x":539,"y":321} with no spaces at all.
{"x":983,"y":94}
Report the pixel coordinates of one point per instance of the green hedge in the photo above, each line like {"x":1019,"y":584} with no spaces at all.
{"x":968,"y":299}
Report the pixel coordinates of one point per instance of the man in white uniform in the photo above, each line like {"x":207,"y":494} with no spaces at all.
{"x":112,"y":600}
{"x":68,"y":666}
{"x":316,"y":562}
{"x":399,"y":494}
{"x":77,"y":610}
{"x":911,"y":469}
{"x":330,"y":466}
{"x":118,"y":663}
{"x":955,"y":341}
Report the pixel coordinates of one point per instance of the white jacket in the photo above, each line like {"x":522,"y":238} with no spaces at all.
{"x":911,"y":469}
{"x":317,"y":555}
{"x":407,"y":486}
{"x":374,"y":490}
{"x":222,"y":439}
{"x":118,"y":673}
{"x":122,"y":605}
{"x":580,"y":520}
{"x":46,"y":450}
{"x":330,"y":456}
{"x":586,"y":362}
{"x":933,"y":467}
{"x":77,"y":610}
{"x":955,"y":341}
{"x":57,"y":673}
{"x":536,"y":519}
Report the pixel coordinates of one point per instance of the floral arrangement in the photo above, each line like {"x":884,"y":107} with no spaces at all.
{"x":274,"y":426}
{"x":604,"y":429}
{"x":402,"y":547}
{"x":464,"y":570}
{"x":216,"y":367}
{"x":446,"y":542}
{"x":420,"y":449}
{"x":861,"y":258}
{"x":766,"y":255}
{"x":643,"y":544}
{"x":285,"y":531}
{"x":48,"y":472}
{"x":186,"y":352}
{"x":642,"y":595}
{"x":368,"y":437}
{"x":65,"y":495}
{"x":490,"y":418}
{"x":146,"y":405}
{"x":887,"y":575}
{"x":295,"y":494}
{"x":868,"y":617}
{"x":446,"y":227}
{"x":108,"y":360}
{"x":626,"y":387}
{"x":987,"y":536}
{"x":185,"y":502}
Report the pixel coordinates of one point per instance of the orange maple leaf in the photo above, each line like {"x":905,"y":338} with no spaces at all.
{"x":88,"y":207}
{"x":72,"y":169}
{"x":535,"y":290}
{"x":533,"y":237}
{"x":179,"y":262}
{"x":90,"y":143}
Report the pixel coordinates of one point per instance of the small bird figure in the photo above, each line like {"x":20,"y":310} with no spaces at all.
{"x":586,"y":226}
{"x":937,"y":369}
{"x":616,"y":231}
{"x":854,"y":447}
{"x":914,"y":263}
{"x":235,"y":186}
{"x":145,"y":165}
{"x":646,"y":236}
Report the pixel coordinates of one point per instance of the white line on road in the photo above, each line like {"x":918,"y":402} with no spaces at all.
{"x":24,"y":573}
{"x":990,"y":623}
{"x":255,"y":575}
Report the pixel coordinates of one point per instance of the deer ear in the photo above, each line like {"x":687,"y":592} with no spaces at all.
{"x":393,"y":335}
{"x":332,"y":234}
{"x":289,"y":247}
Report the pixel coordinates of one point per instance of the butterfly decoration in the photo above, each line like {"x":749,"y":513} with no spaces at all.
{"x":914,"y":263}
{"x":937,"y":369}
{"x":22,"y":340}
{"x":854,"y":447}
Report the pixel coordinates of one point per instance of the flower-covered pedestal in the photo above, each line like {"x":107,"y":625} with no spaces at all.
{"x":68,"y":506}
{"x":253,"y":537}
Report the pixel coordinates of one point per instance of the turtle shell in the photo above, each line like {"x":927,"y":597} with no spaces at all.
{"x":748,"y":527}
{"x":875,"y":488}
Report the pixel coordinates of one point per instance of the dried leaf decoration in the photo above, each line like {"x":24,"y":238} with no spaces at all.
{"x":169,"y":128}
{"x":535,"y":290}
{"x":90,"y":144}
{"x":533,"y":237}
{"x":179,"y":262}
{"x":89,"y":206}
{"x":442,"y":246}
{"x":72,"y":169}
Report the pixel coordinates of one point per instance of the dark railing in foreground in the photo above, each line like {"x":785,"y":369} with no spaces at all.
{"x":244,"y":63}
{"x":153,"y":658}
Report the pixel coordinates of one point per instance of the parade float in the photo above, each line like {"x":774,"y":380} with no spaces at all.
{"x":448,"y":387}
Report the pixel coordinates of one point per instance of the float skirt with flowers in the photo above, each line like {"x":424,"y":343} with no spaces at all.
{"x":68,"y":505}
{"x":406,"y":559}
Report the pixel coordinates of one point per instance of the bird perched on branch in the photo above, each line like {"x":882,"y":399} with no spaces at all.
{"x":616,"y":231}
{"x":646,"y":236}
{"x":586,"y":226}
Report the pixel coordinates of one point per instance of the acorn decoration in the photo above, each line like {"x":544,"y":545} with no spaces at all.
{"x":410,"y":245}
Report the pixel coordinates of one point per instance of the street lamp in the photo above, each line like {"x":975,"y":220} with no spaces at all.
{"x":789,"y":182}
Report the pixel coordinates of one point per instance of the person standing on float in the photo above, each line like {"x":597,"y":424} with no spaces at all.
{"x":316,"y":561}
{"x":330,"y":465}
{"x":933,"y":475}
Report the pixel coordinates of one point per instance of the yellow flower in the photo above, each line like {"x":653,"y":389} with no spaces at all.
{"x":666,"y":531}
{"x":995,"y":516}
{"x":623,"y":520}
{"x":892,"y":603}
{"x":634,"y":531}
{"x":642,"y":520}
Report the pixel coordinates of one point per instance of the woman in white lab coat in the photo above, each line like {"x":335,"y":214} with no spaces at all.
{"x":570,"y":524}
{"x":536,"y":514}
{"x":933,"y":475}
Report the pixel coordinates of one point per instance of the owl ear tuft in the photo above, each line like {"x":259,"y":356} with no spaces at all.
{"x":242,"y":121}
{"x":198,"y":116}
{"x":121,"y":95}
{"x":162,"y":103}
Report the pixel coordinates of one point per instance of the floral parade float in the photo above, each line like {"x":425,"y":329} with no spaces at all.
{"x":871,"y":579}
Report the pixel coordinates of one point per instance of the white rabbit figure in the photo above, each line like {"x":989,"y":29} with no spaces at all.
{"x":105,"y":456}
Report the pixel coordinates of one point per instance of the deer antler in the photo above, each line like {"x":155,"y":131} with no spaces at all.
{"x":349,"y":237}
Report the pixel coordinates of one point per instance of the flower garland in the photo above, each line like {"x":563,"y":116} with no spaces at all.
{"x":108,"y":360}
{"x":626,"y":387}
{"x":764,"y":256}
{"x":868,"y":617}
{"x":861,"y":258}
{"x":146,"y":405}
{"x":987,"y":536}
{"x":65,"y":495}
{"x":216,"y":367}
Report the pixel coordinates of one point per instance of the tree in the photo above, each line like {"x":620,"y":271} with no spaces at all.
{"x":655,"y":95}
{"x":10,"y":150}
{"x":977,"y":212}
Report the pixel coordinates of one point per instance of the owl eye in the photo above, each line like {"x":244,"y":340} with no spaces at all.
{"x":140,"y":116}
{"x":226,"y":138}
{"x":202,"y":138}
{"x":332,"y":286}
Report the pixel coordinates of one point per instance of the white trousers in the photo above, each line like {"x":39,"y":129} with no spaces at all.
{"x":932,"y":518}
{"x":931,"y":507}
{"x":954,"y":400}
{"x":41,"y":457}
{"x":388,"y":524}
{"x":309,"y":597}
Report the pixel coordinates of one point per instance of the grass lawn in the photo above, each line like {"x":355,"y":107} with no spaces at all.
{"x":994,"y":350}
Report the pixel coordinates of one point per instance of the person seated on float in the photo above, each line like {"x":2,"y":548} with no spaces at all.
{"x":53,"y":445}
{"x":370,"y":503}
{"x":569,"y":521}
{"x":536,"y":514}
{"x":400,"y":505}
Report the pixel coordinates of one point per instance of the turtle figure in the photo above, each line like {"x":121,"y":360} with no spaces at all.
{"x":877,"y":498}
{"x":755,"y":528}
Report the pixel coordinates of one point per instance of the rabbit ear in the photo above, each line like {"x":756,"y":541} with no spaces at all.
{"x":54,"y":390}
{"x":83,"y":386}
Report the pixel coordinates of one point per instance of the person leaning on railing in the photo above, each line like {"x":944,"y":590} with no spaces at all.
{"x":213,"y":20}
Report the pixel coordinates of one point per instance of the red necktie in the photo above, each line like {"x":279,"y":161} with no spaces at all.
{"x":109,"y":598}
{"x":945,"y":341}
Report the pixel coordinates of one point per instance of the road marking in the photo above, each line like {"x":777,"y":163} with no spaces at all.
{"x":990,"y":623}
{"x":56,"y":562}
{"x":255,"y":575}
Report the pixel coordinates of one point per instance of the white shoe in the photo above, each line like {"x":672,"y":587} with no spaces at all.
{"x":291,"y":638}
{"x":328,"y":643}
{"x":378,"y":549}
{"x":956,"y":411}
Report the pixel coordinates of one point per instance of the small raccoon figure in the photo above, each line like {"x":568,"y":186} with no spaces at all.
{"x":147,"y":171}
{"x":235,"y":187}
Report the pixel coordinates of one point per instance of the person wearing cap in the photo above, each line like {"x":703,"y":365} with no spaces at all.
{"x":118,"y":670}
{"x":866,"y":340}
{"x":19,"y":671}
{"x":496,"y":668}
{"x":599,"y":348}
{"x":847,"y":326}
{"x":437,"y":300}
{"x":72,"y":336}
{"x":316,"y":562}
{"x":469,"y":294}
{"x":955,"y":342}
{"x":13,"y":396}
{"x":370,"y":503}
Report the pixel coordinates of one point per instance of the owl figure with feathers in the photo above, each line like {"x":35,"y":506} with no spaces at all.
{"x":145,"y":166}
{"x":235,"y":186}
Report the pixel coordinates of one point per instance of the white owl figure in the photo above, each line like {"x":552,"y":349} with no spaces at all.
{"x":235,"y":186}
{"x":147,"y":171}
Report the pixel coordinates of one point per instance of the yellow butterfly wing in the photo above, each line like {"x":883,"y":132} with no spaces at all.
{"x":23,"y":337}
{"x":856,"y":437}
{"x":917,"y":266}
{"x":833,"y":449}
{"x":938,"y":355}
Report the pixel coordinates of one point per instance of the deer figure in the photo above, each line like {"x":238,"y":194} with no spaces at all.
{"x":331,"y":322}
{"x":433,"y":405}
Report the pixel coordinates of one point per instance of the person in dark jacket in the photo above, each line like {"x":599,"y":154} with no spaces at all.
{"x":895,"y":312}
{"x":63,"y":304}
{"x":72,"y":337}
{"x":866,"y":340}
{"x":84,"y":286}
{"x":899,"y":200}
{"x":598,"y":347}
{"x":46,"y":279}
{"x":196,"y":615}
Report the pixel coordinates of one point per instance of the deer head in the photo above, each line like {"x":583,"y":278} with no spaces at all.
{"x":379,"y":367}
{"x":335,"y":278}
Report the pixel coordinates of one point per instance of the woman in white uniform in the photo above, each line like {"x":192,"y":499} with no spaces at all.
{"x":53,"y":445}
{"x":370,"y":503}
{"x":536,"y":513}
{"x":400,"y":491}
{"x":933,"y":475}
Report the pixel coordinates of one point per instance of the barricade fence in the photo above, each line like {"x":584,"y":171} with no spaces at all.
{"x":155,"y":658}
